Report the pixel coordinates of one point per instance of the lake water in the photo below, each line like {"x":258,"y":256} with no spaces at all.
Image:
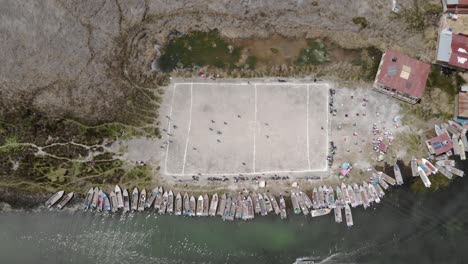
{"x":405,"y":228}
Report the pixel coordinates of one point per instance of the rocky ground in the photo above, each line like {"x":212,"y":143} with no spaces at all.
{"x":80,"y":75}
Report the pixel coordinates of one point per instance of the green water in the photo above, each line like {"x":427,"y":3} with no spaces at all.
{"x":404,"y":228}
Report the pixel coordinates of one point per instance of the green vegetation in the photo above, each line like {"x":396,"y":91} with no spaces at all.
{"x":198,"y":49}
{"x":251,"y":62}
{"x":449,"y":83}
{"x":438,"y":181}
{"x":369,"y":60}
{"x":274,"y":51}
{"x":361,"y":21}
{"x":315,"y":53}
{"x":421,"y":15}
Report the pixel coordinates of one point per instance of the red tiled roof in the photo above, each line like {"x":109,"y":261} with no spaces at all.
{"x":463,"y":104}
{"x":443,"y":140}
{"x":406,"y":75}
{"x":459,"y":55}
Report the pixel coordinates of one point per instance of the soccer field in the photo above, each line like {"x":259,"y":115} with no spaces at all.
{"x":247,"y":128}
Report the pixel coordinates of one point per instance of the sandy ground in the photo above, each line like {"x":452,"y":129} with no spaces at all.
{"x":267,"y":120}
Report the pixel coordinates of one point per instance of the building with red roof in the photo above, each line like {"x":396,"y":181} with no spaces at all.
{"x":452,"y":50}
{"x":402,"y":77}
{"x":455,"y":6}
{"x":440,"y":144}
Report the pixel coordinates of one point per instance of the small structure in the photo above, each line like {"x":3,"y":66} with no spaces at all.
{"x":402,"y":77}
{"x":440,"y":144}
{"x":462,"y":110}
{"x":452,"y":50}
{"x":455,"y":6}
{"x":383,"y":148}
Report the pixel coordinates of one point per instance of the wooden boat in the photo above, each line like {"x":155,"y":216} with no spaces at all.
{"x":414,"y":167}
{"x":349,"y":216}
{"x":462,"y":150}
{"x":429,"y":165}
{"x":100,"y":201}
{"x":170,"y":202}
{"x":186,"y":201}
{"x":118,"y":194}
{"x":263,"y":208}
{"x":464,"y":139}
{"x":387,"y":178}
{"x":206,"y":205}
{"x":301,"y":202}
{"x":151,"y":198}
{"x":307,"y":200}
{"x":200,"y":206}
{"x":113,"y":201}
{"x":268,"y":205}
{"x":320,"y":197}
{"x":445,"y":163}
{"x":455,"y":125}
{"x":178,"y":204}
{"x":315,"y":198}
{"x":344,"y":192}
{"x":451,"y":129}
{"x":239,"y":207}
{"x":397,"y":172}
{"x":320,"y":212}
{"x":159,"y":199}
{"x":444,"y":172}
{"x":227,"y":208}
{"x":441,"y":157}
{"x":106,"y":205}
{"x":256,"y":203}
{"x":325,"y":196}
{"x":222,"y":205}
{"x":65,"y":200}
{"x":135,"y":198}
{"x":339,"y":197}
{"x":438,"y":130}
{"x":383,"y":183}
{"x":126,"y":200}
{"x":282,"y":206}
{"x":379,"y":190}
{"x":424,"y":177}
{"x":275,"y":204}
{"x":338,"y":215}
{"x":352,"y":196}
{"x":213,"y":205}
{"x":95,"y":198}
{"x":455,"y":171}
{"x":88,"y":199}
{"x":365,"y":200}
{"x":193,"y":205}
{"x":295,"y":203}
{"x":331,"y":198}
{"x":375,"y":195}
{"x":250,"y":208}
{"x":456,"y":147}
{"x":163,"y":207}
{"x":141,"y":203}
{"x":245,"y":209}
{"x":357,"y":194}
{"x":232,"y":211}
{"x":370,"y":195}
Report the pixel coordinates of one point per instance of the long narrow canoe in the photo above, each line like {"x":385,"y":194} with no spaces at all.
{"x":113,"y":201}
{"x":414,"y":167}
{"x":151,"y":198}
{"x":65,"y":200}
{"x":126,"y":200}
{"x":275,"y":204}
{"x":349,"y":216}
{"x":88,"y":199}
{"x":199,"y":206}
{"x":186,"y":201}
{"x":170,"y":202}
{"x":282,"y":206}
{"x":222,"y":205}
{"x":227,"y":208}
{"x":193,"y":206}
{"x":331,"y":198}
{"x":141,"y":203}
{"x":295,"y":203}
{"x":398,"y":176}
{"x":95,"y":198}
{"x":424,"y":177}
{"x":358,"y":194}
{"x":118,"y":193}
{"x":159,"y":198}
{"x":135,"y":197}
{"x":178,"y":204}
{"x":338,"y":215}
{"x":256,"y":203}
{"x":163,"y":207}
{"x":263,"y":208}
{"x":213,"y":205}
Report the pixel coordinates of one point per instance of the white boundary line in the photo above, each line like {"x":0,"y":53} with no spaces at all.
{"x":307,"y":129}
{"x":189,"y":127}
{"x":227,"y":83}
{"x":169,"y":126}
{"x":255,"y":129}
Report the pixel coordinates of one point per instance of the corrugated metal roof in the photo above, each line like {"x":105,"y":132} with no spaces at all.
{"x":452,"y":2}
{"x":441,"y":144}
{"x":444,"y":48}
{"x":463,"y":104}
{"x":459,"y":55}
{"x":411,"y":73}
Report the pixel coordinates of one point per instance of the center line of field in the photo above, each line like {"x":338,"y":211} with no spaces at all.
{"x":189,"y":126}
{"x":255,"y":127}
{"x":307,"y":128}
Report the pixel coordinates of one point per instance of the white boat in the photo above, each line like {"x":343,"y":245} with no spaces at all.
{"x":375,"y":195}
{"x":186,"y":205}
{"x":320,"y":197}
{"x":364,"y":198}
{"x":256,"y":203}
{"x":349,"y":216}
{"x":275,"y":204}
{"x":159,"y":198}
{"x":65,"y":200}
{"x":301,"y":202}
{"x":206,"y":205}
{"x":282,"y":206}
{"x":379,"y":190}
{"x":295,"y":203}
{"x":151,"y":198}
{"x":126,"y":201}
{"x":100,"y":200}
{"x":95,"y":198}
{"x":429,"y":165}
{"x":227,"y":208}
{"x":88,"y":199}
{"x":113,"y":201}
{"x":444,"y":172}
{"x":357,"y":194}
{"x":438,"y":130}
{"x":307,"y":200}
{"x":445,"y":163}
{"x":178,"y":204}
{"x":263,"y":209}
{"x":200,"y":206}
{"x":462,"y":150}
{"x":141,"y":203}
{"x":331,"y":198}
{"x":455,"y":125}
{"x":222,"y":205}
{"x":455,"y":171}
{"x":315,"y":198}
{"x":414,"y":167}
{"x":387,"y":178}
{"x":193,"y":206}
{"x":268,"y":205}
{"x":135,"y":197}
{"x":106,"y":205}
{"x":456,"y":147}
{"x":370,"y":195}
{"x":339,"y":197}
{"x":213,"y":205}
{"x":170,"y":202}
{"x":118,"y":194}
{"x":464,"y":139}
{"x":163,"y":206}
{"x":424,"y":177}
{"x":320,"y":212}
{"x":338,"y":215}
{"x":398,"y":177}
{"x":345,"y":194}
{"x":352,"y":196}
{"x":250,"y":208}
